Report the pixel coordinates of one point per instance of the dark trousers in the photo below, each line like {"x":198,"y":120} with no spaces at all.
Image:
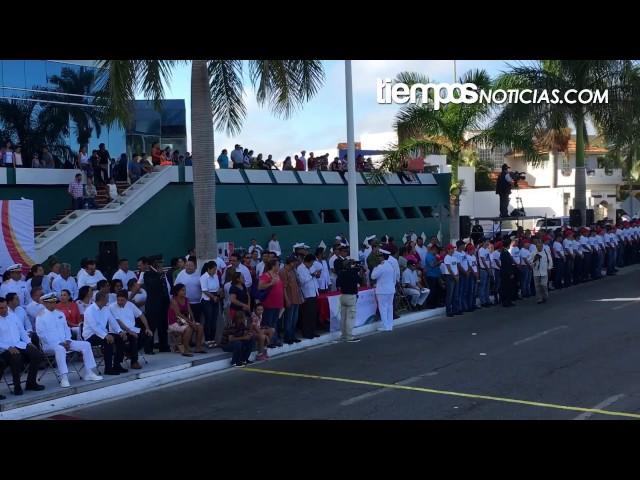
{"x":196,"y":308}
{"x":558,"y":264}
{"x":451,"y":305}
{"x":77,"y":203}
{"x":568,"y":271}
{"x":108,"y":350}
{"x":210,"y":311}
{"x":577,"y":269}
{"x":30,"y":355}
{"x":434,"y":292}
{"x":504,"y":204}
{"x":133,"y":345}
{"x":507,"y":289}
{"x":308,"y":316}
{"x":270,"y":319}
{"x":241,"y":350}
{"x":158,"y":321}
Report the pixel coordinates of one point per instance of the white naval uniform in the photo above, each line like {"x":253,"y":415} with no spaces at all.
{"x":52,"y":329}
{"x":396,"y":267}
{"x":385,"y":277}
{"x":418,"y":295}
{"x":19,"y":287}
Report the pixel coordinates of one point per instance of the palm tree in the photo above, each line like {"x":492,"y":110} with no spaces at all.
{"x":81,"y":84}
{"x":216,"y":100}
{"x":518,"y":123}
{"x":452,"y":129}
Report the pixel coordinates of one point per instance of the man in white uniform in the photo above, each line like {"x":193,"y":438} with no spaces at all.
{"x":124,"y":274}
{"x":55,"y":336}
{"x":385,"y":278}
{"x":15,"y":284}
{"x":274,"y":245}
{"x":410,"y":285}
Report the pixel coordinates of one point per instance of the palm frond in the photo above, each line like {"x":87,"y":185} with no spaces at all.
{"x":226,"y":89}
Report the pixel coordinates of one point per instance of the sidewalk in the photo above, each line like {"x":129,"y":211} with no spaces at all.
{"x":163,"y":368}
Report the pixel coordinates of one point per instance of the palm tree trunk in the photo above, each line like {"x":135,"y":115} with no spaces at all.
{"x":204,"y":185}
{"x":454,"y":201}
{"x":580,"y":177}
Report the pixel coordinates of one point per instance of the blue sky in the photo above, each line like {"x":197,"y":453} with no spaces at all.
{"x":321,"y":124}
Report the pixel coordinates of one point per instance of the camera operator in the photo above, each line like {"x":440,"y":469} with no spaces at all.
{"x":349,"y":279}
{"x":503,"y":188}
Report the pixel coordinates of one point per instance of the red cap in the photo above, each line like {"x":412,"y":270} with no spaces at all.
{"x":469,"y":247}
{"x":498,"y":244}
{"x":451,"y":247}
{"x":526,"y":242}
{"x":546,"y":238}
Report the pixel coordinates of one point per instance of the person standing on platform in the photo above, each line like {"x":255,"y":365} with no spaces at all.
{"x":503,"y":189}
{"x":385,"y":277}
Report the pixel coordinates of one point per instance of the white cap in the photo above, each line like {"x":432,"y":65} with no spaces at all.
{"x":384,"y":252}
{"x":298,"y":245}
{"x":49,"y":297}
{"x":366,"y":239}
{"x":14,"y":267}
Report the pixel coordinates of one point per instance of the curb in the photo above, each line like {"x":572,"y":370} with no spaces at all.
{"x":147,"y":380}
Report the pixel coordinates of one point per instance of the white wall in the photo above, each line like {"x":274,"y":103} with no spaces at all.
{"x":45,"y":176}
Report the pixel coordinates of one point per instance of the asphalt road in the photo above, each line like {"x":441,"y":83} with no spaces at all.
{"x":561,"y":360}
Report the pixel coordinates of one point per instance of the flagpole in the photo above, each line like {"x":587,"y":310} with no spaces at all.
{"x":351,"y":165}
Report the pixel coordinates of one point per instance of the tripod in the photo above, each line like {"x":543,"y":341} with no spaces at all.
{"x":519,"y":204}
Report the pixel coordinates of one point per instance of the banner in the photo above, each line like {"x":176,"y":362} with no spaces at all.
{"x":17,"y":240}
{"x":366,"y":308}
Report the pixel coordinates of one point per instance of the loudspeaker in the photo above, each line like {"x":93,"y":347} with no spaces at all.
{"x":575,"y":219}
{"x":107,"y":261}
{"x":465,"y":226}
{"x":590,"y":217}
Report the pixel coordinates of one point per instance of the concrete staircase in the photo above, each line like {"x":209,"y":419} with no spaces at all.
{"x":69,"y":224}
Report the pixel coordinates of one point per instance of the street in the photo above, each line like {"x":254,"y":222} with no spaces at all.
{"x":572,"y":358}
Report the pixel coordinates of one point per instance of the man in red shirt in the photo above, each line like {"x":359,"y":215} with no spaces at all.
{"x":273,"y":298}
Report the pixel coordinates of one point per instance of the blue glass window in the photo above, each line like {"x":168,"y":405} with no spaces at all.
{"x":35,"y":74}
{"x":13,"y":76}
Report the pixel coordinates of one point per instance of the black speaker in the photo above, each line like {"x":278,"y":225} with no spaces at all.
{"x":575,"y":219}
{"x":590,"y":217}
{"x":107,"y":261}
{"x":465,"y":226}
{"x":477,"y":233}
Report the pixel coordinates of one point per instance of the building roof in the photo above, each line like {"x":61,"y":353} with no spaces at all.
{"x":591,"y":149}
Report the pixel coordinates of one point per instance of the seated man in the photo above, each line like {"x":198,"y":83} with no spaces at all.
{"x":101,"y":329}
{"x":411,"y":287}
{"x":35,"y":307}
{"x":21,"y":314}
{"x":55,"y":337}
{"x":127,"y":315}
{"x":16,"y":348}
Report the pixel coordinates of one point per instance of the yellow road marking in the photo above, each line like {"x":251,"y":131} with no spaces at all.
{"x":444,"y":392}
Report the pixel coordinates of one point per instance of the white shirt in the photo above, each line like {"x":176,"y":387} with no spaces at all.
{"x":396,"y":267}
{"x":82,"y":307}
{"x":46,"y":286}
{"x":49,"y":278}
{"x":33,"y":309}
{"x":410,"y":277}
{"x":255,"y":247}
{"x":141,"y":296}
{"x":443,"y":269}
{"x":12,"y":334}
{"x":248,"y":281}
{"x":385,"y":278}
{"x":19,"y":287}
{"x":307,"y":282}
{"x":422,"y":252}
{"x":584,"y":244}
{"x":92,"y":280}
{"x":209,"y":283}
{"x":99,"y":321}
{"x":191,"y":281}
{"x":52,"y":329}
{"x":260,"y":268}
{"x":515,"y":254}
{"x":274,"y":246}
{"x":451,"y":261}
{"x":60,"y":284}
{"x":524,"y":255}
{"x":543,"y":265}
{"x":124,"y":277}
{"x":21,"y":314}
{"x":568,"y":246}
{"x":473,"y":262}
{"x":547,"y":249}
{"x":558,"y":250}
{"x":495,"y":259}
{"x":126,"y":315}
{"x":323,"y":280}
{"x":484,"y":258}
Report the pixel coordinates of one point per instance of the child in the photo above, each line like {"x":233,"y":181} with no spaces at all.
{"x":263,"y":335}
{"x":239,"y":340}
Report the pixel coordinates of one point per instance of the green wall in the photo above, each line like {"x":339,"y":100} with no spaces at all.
{"x":166,"y":223}
{"x":48,"y":200}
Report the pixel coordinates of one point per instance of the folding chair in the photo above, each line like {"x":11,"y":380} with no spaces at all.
{"x":8,"y":369}
{"x":96,"y":350}
{"x":401,"y":302}
{"x":50,"y":358}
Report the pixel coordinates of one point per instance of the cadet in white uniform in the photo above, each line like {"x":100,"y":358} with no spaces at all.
{"x":15,"y":284}
{"x":55,"y":336}
{"x":410,"y":285}
{"x":385,"y":278}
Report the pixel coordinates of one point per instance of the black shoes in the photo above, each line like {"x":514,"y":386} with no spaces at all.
{"x":110,"y":371}
{"x":120,"y":369}
{"x":17,"y":391}
{"x":296,"y":340}
{"x":35,"y":387}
